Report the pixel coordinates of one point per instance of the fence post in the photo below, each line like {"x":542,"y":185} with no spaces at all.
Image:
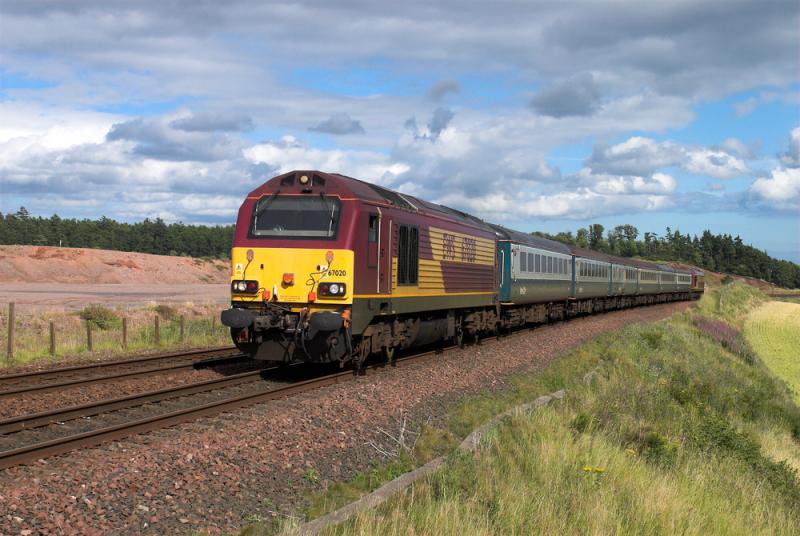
{"x":183,"y":326}
{"x":125,"y":332}
{"x":89,"y":345}
{"x":10,"y":352}
{"x":213,"y":323}
{"x":157,"y":331}
{"x":52,"y":338}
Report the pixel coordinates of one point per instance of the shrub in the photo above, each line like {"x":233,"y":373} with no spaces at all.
{"x":100,"y":317}
{"x":167,"y":312}
{"x":653,"y":338}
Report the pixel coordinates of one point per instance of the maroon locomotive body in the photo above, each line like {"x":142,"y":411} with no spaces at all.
{"x":327,"y":267}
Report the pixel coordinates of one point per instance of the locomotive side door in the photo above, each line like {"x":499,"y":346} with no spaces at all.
{"x":378,"y":256}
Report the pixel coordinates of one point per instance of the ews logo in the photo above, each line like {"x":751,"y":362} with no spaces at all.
{"x":449,"y":247}
{"x":468,"y":248}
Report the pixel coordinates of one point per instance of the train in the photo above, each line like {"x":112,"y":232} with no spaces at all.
{"x":329,"y":268}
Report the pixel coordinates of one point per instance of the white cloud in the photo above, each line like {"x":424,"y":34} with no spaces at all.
{"x":640,"y":155}
{"x":718,"y":164}
{"x":781,"y":189}
{"x":791,"y":158}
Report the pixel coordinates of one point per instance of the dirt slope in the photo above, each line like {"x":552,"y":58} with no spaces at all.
{"x":45,"y":264}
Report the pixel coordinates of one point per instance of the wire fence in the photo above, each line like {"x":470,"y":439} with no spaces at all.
{"x":97,"y":330}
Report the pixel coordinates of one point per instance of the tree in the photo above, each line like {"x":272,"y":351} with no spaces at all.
{"x":582,"y":238}
{"x":596,"y":236}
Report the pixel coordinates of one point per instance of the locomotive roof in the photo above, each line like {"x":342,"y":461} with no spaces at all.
{"x":527,"y":239}
{"x":590,"y":254}
{"x":335,"y":183}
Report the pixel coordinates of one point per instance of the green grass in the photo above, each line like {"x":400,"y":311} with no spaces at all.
{"x":773,"y":330}
{"x":730,"y":303}
{"x":675,"y":434}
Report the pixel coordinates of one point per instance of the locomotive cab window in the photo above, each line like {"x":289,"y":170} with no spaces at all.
{"x":407,"y":255}
{"x":296,"y":217}
{"x":372,"y":233}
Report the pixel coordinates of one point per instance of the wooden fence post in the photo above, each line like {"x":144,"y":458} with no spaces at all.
{"x":125,"y":332}
{"x":89,"y":345}
{"x":52,"y":338}
{"x":11,"y":322}
{"x":213,"y":323}
{"x":183,"y":326}
{"x":157,"y":331}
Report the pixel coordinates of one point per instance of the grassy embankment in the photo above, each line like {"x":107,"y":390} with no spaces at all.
{"x":32,"y":334}
{"x":681,"y":429}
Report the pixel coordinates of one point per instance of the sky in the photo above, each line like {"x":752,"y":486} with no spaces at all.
{"x":545,"y":115}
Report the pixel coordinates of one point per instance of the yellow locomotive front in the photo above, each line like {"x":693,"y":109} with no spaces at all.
{"x":292,"y":272}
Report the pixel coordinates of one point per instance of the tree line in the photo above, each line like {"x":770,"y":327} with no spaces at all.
{"x":720,"y":253}
{"x":717,"y":252}
{"x":148,"y":236}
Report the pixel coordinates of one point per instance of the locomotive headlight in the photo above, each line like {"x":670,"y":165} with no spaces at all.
{"x":247,"y":286}
{"x":332,"y":290}
{"x":304,"y":179}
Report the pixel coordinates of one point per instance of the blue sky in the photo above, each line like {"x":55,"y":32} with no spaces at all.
{"x":540,"y":116}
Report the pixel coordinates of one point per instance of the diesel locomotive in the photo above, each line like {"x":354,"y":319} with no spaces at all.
{"x":330,"y":268}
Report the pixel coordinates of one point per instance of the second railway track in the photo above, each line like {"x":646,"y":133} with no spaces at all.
{"x":60,"y":378}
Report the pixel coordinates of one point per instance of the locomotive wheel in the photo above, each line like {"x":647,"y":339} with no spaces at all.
{"x":458,"y":339}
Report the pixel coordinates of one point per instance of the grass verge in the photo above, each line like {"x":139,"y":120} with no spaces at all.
{"x":674,"y":433}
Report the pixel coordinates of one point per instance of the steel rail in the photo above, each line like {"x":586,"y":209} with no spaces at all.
{"x":104,"y":364}
{"x":55,"y":386}
{"x":31,"y":453}
{"x":44,"y":418}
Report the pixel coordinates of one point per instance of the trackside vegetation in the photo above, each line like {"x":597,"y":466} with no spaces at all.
{"x":674,"y":427}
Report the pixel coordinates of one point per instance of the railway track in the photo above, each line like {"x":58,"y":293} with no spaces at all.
{"x":61,"y":378}
{"x":45,"y":437}
{"x":231,"y":395}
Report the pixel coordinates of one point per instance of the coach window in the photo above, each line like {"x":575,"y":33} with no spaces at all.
{"x":523,"y":262}
{"x":530,"y":262}
{"x":407,"y":255}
